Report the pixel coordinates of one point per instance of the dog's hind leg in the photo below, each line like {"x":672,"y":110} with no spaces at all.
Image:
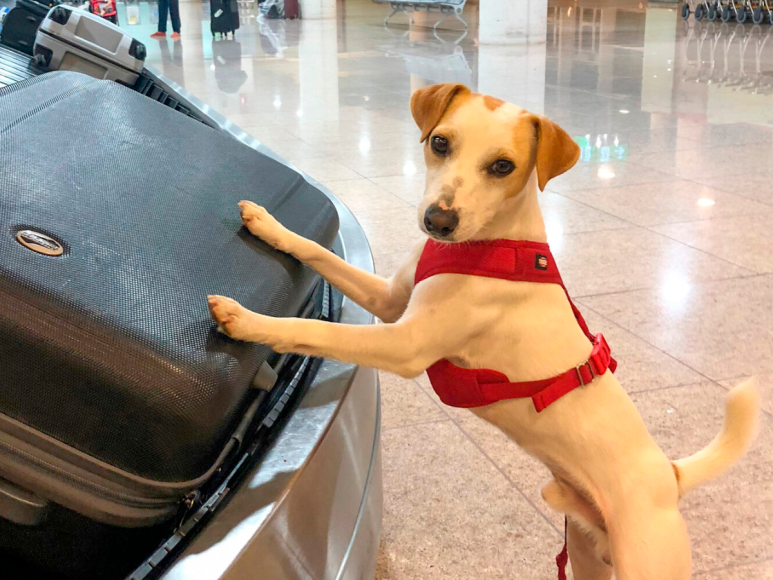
{"x":586,"y":565}
{"x":385,"y":298}
{"x":587,"y":541}
{"x":649,"y":542}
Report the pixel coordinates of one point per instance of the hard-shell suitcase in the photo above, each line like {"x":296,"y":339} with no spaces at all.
{"x":118,"y":398}
{"x":21,"y":25}
{"x":76,"y":40}
{"x":224,"y":16}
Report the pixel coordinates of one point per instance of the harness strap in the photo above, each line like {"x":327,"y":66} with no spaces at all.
{"x":466,"y":388}
{"x":563,"y":558}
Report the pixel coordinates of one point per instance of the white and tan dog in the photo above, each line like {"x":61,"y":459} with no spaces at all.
{"x":485,"y":162}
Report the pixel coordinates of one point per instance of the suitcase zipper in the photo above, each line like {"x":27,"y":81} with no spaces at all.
{"x":84,"y":484}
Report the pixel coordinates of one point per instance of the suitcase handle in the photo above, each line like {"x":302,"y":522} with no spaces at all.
{"x":21,"y":506}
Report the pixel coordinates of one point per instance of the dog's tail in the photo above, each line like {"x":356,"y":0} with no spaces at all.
{"x":742,"y":407}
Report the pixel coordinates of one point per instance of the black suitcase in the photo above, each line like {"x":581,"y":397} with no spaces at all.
{"x":224,"y":16}
{"x":21,"y":25}
{"x":118,"y":399}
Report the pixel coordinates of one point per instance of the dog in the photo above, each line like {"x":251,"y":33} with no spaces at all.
{"x":486,"y":160}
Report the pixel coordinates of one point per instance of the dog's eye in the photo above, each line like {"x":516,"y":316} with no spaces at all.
{"x":440,"y":145}
{"x":502,"y":167}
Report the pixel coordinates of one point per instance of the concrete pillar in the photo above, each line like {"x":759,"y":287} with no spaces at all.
{"x":513,"y":22}
{"x":567,"y":35}
{"x":317,"y":9}
{"x":606,"y":48}
{"x":515,"y":74}
{"x":318,"y":70}
{"x":660,"y":61}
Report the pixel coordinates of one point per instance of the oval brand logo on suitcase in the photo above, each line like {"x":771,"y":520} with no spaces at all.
{"x":40,"y":243}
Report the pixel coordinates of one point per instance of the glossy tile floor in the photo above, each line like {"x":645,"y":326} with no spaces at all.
{"x":663,"y":230}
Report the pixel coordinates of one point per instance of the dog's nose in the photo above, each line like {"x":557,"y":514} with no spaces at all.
{"x":439,"y":221}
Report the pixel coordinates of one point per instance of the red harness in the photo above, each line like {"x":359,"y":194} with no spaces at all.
{"x":519,"y":261}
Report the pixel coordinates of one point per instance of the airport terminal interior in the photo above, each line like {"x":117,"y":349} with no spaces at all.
{"x":663,"y":232}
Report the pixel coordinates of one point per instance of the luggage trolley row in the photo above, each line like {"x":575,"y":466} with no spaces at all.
{"x":757,"y":11}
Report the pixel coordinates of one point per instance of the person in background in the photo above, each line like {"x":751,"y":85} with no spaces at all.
{"x":168,"y":8}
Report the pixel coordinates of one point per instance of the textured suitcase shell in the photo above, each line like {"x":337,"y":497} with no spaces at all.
{"x":117,"y":395}
{"x":78,"y":41}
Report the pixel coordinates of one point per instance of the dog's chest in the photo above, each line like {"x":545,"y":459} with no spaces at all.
{"x":529,"y":333}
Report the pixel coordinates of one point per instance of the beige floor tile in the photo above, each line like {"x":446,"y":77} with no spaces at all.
{"x":385,"y":163}
{"x":525,"y":472}
{"x":449,"y":513}
{"x":684,"y":419}
{"x":765,"y":386}
{"x":291,"y":148}
{"x":269,"y":134}
{"x":729,"y":520}
{"x":246,"y":119}
{"x":724,"y":135}
{"x":759,"y":188}
{"x":348,"y":130}
{"x":721,"y":329}
{"x":668,"y":139}
{"x":566,"y":216}
{"x":670,"y":202}
{"x":407,"y":187}
{"x":612,"y":174}
{"x":758,"y":571}
{"x":387,"y":264}
{"x":364,"y":145}
{"x":691,"y":163}
{"x":641,"y":366}
{"x":632,"y":258}
{"x":391,"y":231}
{"x":324,"y":169}
{"x":362,"y":195}
{"x":404,"y":402}
{"x":743,"y":240}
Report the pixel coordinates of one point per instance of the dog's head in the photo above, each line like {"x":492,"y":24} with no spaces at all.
{"x":480,"y":152}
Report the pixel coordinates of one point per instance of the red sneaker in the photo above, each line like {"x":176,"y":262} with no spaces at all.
{"x":158,"y":35}
{"x":175,"y":36}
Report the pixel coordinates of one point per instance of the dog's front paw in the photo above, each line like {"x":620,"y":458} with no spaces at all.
{"x":264,"y":226}
{"x":232,"y":318}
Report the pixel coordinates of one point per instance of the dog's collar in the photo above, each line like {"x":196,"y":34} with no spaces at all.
{"x":518,"y":261}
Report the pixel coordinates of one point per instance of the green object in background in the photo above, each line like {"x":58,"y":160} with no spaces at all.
{"x":601,"y":148}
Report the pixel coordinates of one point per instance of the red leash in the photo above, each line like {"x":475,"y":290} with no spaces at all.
{"x":563,"y":558}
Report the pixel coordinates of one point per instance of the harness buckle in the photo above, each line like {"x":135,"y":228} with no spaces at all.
{"x":579,"y":374}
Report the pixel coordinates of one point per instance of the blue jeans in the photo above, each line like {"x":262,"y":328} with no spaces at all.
{"x":165,"y":8}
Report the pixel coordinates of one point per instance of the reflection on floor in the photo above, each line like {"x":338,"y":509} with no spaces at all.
{"x":664,"y":232}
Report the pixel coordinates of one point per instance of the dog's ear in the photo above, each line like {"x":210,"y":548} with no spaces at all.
{"x":429,"y":104}
{"x":556,"y":150}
